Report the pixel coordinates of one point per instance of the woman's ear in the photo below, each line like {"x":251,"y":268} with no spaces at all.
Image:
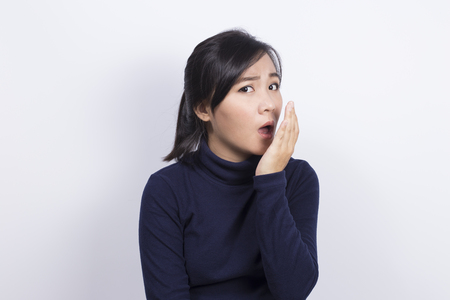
{"x":203,"y":112}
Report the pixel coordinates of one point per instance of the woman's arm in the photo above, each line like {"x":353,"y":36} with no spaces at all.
{"x":286,"y":230}
{"x":287,"y":217}
{"x":161,"y":243}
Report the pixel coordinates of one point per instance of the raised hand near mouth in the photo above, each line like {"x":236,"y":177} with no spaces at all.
{"x":280,"y":151}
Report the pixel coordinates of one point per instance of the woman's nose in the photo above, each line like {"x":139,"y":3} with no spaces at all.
{"x":267,"y":103}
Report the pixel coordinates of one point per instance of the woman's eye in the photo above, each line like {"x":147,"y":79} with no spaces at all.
{"x":273,"y":86}
{"x":246,"y":89}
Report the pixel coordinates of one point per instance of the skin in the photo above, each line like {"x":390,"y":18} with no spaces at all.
{"x":233,"y":128}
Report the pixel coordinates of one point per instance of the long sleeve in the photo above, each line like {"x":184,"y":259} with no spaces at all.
{"x":161,"y":243}
{"x":286,"y":224}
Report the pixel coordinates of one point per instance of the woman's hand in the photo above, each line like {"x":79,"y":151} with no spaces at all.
{"x":280,"y":151}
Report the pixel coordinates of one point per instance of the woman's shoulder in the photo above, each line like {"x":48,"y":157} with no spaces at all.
{"x":298,"y":166}
{"x":172,"y":176}
{"x":171,"y":173}
{"x":166,"y":185}
{"x":169,"y":169}
{"x":300,"y":171}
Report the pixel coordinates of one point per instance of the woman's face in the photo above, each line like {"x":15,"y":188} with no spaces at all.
{"x":244,"y":123}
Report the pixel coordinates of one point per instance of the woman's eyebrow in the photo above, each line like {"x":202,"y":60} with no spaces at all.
{"x":275,"y":74}
{"x":251,"y":78}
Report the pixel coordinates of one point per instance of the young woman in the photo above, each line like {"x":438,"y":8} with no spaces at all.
{"x":235,"y":217}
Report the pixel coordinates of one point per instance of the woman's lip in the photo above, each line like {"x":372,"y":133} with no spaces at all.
{"x":268,"y":123}
{"x":266,"y":131}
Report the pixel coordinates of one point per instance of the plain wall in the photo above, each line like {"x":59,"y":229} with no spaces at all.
{"x":89,"y":95}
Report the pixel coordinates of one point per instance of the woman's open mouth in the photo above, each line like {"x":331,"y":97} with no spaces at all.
{"x":267,"y":130}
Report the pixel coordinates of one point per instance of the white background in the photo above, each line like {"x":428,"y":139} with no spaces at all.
{"x":89,"y":95}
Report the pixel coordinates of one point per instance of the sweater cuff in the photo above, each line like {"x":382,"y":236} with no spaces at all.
{"x":263,"y":182}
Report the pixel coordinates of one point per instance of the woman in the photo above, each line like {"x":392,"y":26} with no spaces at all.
{"x":236,"y":216}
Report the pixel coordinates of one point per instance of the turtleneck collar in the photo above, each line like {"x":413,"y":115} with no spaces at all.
{"x":226,"y":171}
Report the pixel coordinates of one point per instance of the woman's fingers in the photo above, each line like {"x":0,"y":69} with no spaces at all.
{"x":281,"y":131}
{"x":280,"y":151}
{"x":287,"y":134}
{"x":290,"y":133}
{"x":295,"y":130}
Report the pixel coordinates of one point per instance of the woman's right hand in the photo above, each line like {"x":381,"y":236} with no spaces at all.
{"x":280,"y":151}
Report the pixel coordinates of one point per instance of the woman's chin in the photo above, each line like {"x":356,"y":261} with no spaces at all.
{"x":261,"y":150}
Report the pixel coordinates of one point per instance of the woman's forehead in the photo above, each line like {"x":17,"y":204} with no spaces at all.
{"x":264,"y":66}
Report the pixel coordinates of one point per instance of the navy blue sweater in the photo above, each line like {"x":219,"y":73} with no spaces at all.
{"x":210,"y":229}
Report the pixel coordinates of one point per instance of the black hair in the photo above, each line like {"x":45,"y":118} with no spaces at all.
{"x":211,"y":71}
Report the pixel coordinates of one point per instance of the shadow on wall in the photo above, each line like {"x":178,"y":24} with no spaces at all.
{"x":131,"y":127}
{"x":354,"y":230}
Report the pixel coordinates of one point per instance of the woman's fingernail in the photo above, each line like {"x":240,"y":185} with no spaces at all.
{"x":291,"y":106}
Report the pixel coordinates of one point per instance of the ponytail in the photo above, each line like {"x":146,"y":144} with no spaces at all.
{"x":188,"y":133}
